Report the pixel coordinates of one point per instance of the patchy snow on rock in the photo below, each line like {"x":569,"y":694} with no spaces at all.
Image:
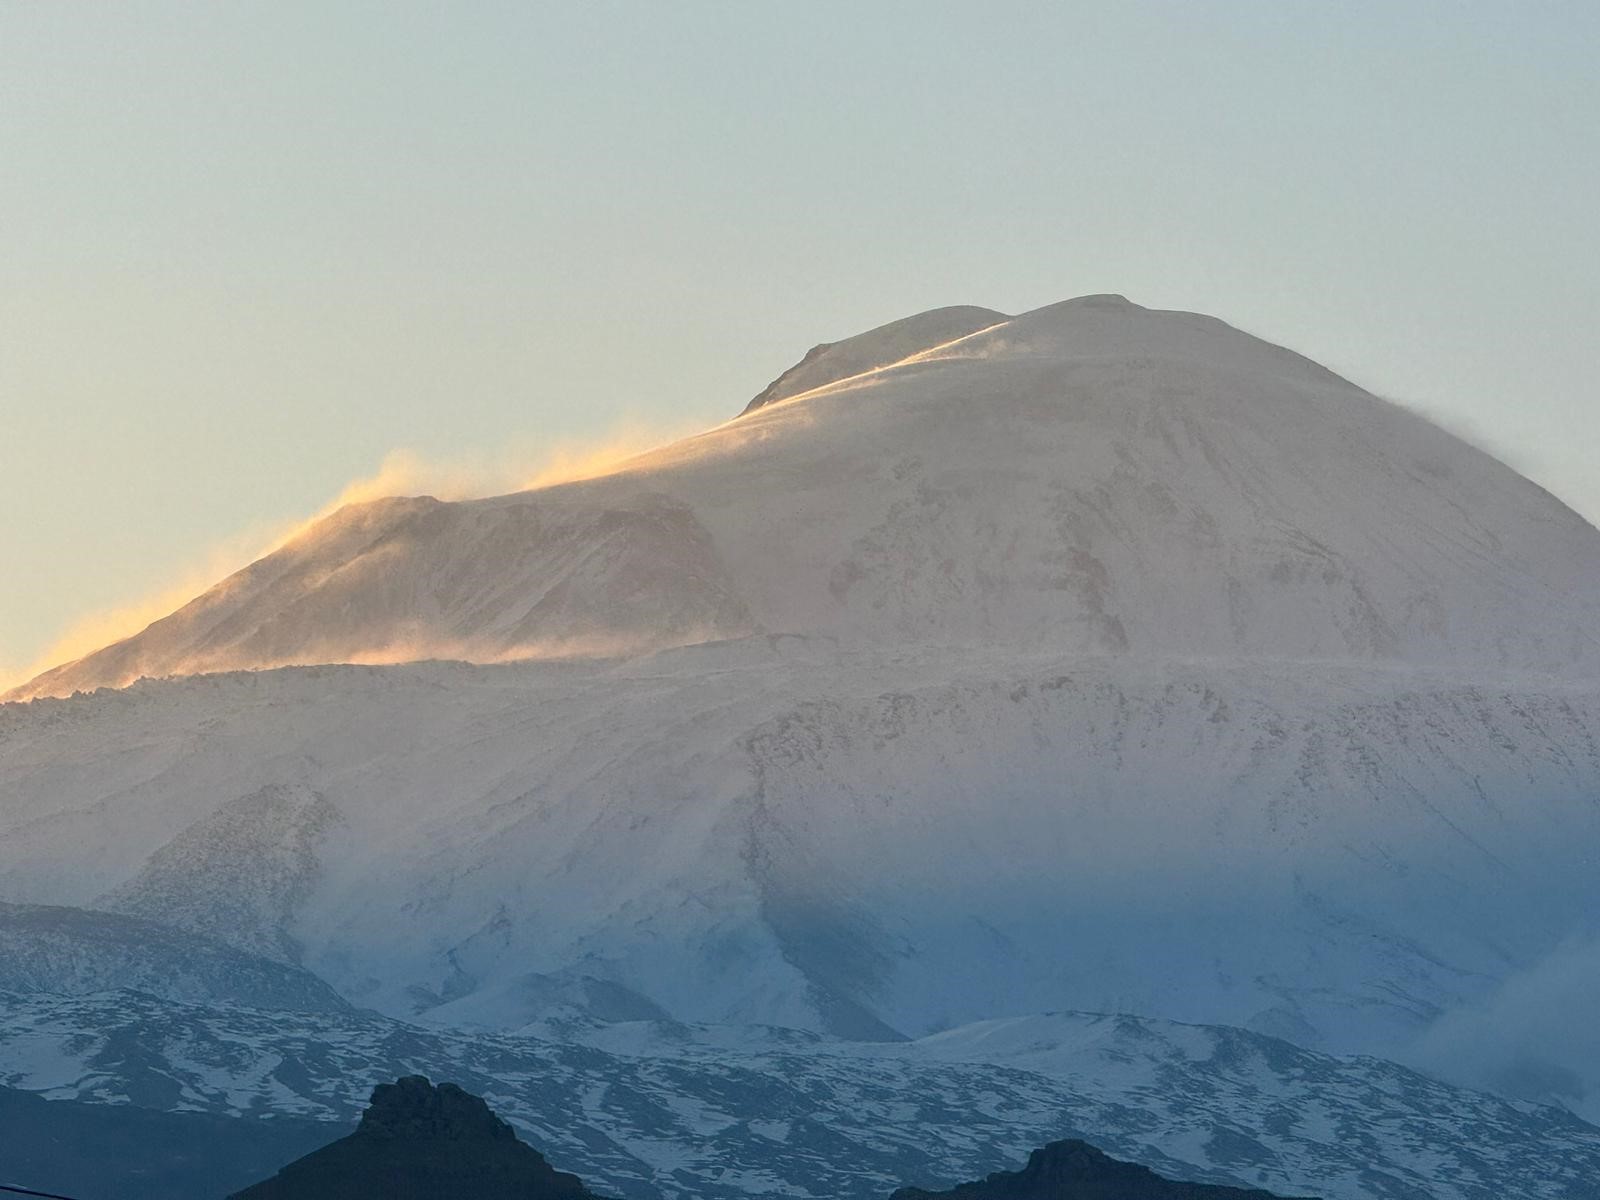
{"x":687,"y":1111}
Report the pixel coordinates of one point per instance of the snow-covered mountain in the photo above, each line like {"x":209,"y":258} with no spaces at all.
{"x":1093,"y":477}
{"x":781,"y":830}
{"x":660,"y":1110}
{"x":1098,"y":658}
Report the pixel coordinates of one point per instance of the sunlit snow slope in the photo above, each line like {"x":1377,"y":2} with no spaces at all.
{"x":1097,"y":658}
{"x":1093,"y":477}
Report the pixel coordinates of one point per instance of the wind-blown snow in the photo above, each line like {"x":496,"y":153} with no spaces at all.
{"x":877,"y":348}
{"x":1097,"y":658}
{"x":1092,"y":477}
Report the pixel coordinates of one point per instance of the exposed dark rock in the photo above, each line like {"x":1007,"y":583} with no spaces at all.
{"x":421,"y":1142}
{"x":1074,"y":1170}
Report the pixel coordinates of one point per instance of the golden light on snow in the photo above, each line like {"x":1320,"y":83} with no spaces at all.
{"x":575,"y":461}
{"x":402,"y":472}
{"x":90,"y":632}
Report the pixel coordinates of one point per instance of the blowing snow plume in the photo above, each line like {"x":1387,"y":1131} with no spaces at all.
{"x":956,"y":478}
{"x":403,"y":473}
{"x":91,"y":631}
{"x":1116,"y":661}
{"x":1533,"y":1038}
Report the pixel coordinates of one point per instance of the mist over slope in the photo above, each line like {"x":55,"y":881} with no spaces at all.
{"x":1093,"y":477}
{"x":1099,"y":657}
{"x":71,"y":951}
{"x":787,"y":832}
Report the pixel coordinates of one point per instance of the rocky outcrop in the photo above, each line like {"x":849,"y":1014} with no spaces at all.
{"x":1074,"y":1170}
{"x":421,"y":1142}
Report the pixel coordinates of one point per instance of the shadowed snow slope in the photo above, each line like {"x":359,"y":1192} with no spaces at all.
{"x":782,"y":831}
{"x":1098,"y":658}
{"x":1092,"y":477}
{"x":67,"y":951}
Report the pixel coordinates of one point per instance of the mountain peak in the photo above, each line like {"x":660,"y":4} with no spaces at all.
{"x":1095,"y":300}
{"x":831,"y":362}
{"x":1100,"y":325}
{"x":1092,"y":475}
{"x":883,"y":346}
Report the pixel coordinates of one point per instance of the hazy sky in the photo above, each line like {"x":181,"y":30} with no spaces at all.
{"x":248,"y":250}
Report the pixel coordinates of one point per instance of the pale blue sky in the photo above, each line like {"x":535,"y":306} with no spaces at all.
{"x":246,"y":250}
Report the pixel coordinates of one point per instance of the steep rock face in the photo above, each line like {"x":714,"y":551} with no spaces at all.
{"x":421,"y":1142}
{"x":1092,"y":477}
{"x":1075,"y":1170}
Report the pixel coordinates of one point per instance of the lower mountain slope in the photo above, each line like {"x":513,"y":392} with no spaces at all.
{"x":877,"y":845}
{"x":648,"y":1110}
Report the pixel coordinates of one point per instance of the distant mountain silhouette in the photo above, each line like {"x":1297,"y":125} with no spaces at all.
{"x":421,"y":1142}
{"x":1074,"y":1170}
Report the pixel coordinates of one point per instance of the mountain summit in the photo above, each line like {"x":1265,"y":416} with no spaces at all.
{"x":877,"y":348}
{"x":1093,"y":477}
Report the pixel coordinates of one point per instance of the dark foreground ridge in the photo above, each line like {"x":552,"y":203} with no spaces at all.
{"x":421,"y":1142}
{"x":1074,"y":1170}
